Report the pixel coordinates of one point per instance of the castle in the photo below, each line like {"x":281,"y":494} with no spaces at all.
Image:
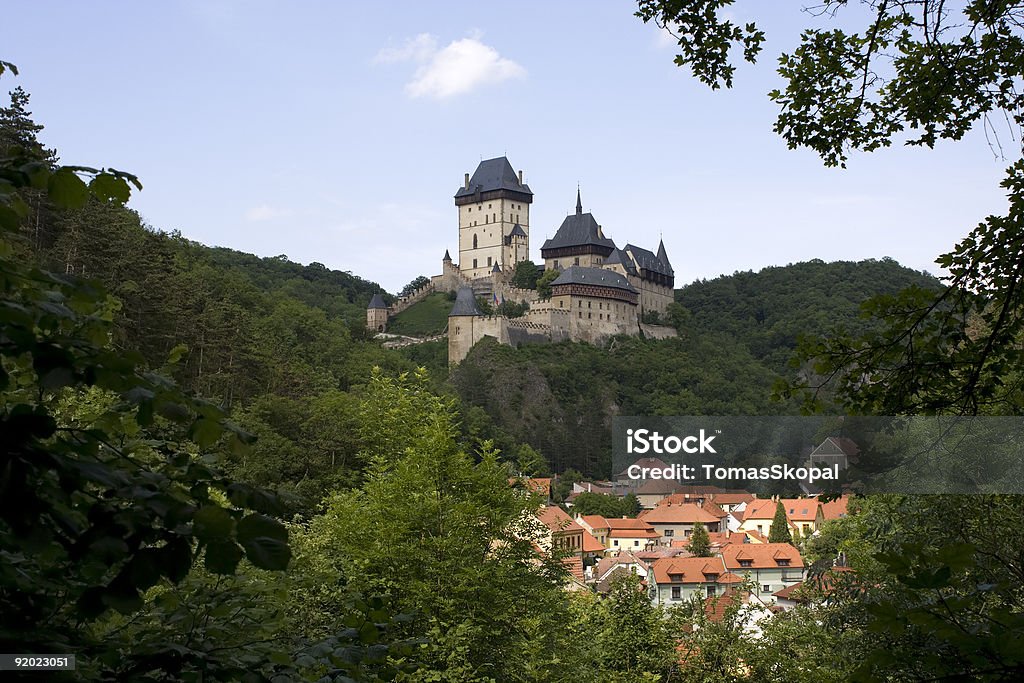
{"x":601,"y":290}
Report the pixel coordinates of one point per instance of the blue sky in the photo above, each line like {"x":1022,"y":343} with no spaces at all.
{"x":339,"y":132}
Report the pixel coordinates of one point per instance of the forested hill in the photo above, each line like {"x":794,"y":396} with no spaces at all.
{"x":251,"y":324}
{"x":768,"y":310}
{"x":736,"y":335}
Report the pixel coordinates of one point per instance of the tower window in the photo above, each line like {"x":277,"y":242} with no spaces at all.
{"x":494,"y":217}
{"x":489,"y":206}
{"x":488,"y":260}
{"x":474,"y":263}
{"x":470,"y":210}
{"x":474,"y":241}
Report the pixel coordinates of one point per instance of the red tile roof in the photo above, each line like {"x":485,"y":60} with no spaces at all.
{"x":591,"y":544}
{"x":595,"y":521}
{"x":797,"y":509}
{"x":555,"y":519}
{"x":574,"y":563}
{"x":685,"y":513}
{"x":836,"y":508}
{"x":732,"y":498}
{"x":688,"y":569}
{"x":760,"y":556}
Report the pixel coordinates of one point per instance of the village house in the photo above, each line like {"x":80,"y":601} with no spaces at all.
{"x":604,"y":573}
{"x":564,"y":536}
{"x":630,"y":534}
{"x":804,"y":515}
{"x":679,"y":578}
{"x":771,"y":566}
{"x":675,"y":521}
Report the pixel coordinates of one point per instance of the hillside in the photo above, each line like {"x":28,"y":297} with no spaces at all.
{"x":769,"y":310}
{"x":424,"y":318}
{"x":737,"y":333}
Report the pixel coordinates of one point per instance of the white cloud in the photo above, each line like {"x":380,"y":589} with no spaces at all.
{"x":457,"y":68}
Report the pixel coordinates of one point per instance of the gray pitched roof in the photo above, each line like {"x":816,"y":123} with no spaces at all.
{"x":576,"y":230}
{"x":494,"y":174}
{"x":377,"y":301}
{"x":663,"y":256}
{"x":582,"y":275}
{"x":517,"y":231}
{"x":647,"y":260}
{"x":465,"y":303}
{"x":496,"y":268}
{"x":447,"y":256}
{"x":618,"y":257}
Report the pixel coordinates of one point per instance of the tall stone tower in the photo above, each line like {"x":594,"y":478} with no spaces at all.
{"x":377,"y":314}
{"x":494,"y":218}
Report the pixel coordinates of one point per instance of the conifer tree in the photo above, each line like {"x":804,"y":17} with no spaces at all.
{"x":700,"y":541}
{"x":779,"y":531}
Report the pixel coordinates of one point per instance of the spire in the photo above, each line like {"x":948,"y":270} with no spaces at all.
{"x":579,"y":204}
{"x":447,"y":256}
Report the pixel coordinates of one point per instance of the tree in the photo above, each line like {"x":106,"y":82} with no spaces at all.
{"x":919,"y":72}
{"x":544,"y":283}
{"x":19,"y":131}
{"x":445,"y":535}
{"x":525,"y":275}
{"x":419,"y":282}
{"x":780,"y":531}
{"x":700,"y":541}
{"x":109,"y":488}
{"x":531,"y":463}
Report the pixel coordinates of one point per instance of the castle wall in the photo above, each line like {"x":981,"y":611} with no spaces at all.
{"x":658,"y":331}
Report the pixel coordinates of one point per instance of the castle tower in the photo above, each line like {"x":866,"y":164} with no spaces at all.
{"x":494,"y":218}
{"x":461,"y":321}
{"x":579,"y":241}
{"x":377,"y":314}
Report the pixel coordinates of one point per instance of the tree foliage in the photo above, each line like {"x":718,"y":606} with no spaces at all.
{"x":779,"y":532}
{"x":700,"y":541}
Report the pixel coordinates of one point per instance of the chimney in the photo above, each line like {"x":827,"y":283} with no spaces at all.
{"x":467,"y":181}
{"x":520,"y":176}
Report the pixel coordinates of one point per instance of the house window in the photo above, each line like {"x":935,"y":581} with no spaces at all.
{"x":677,"y":593}
{"x":474,"y":241}
{"x":760,"y":528}
{"x":616,"y":543}
{"x":636,"y":543}
{"x":783,"y":563}
{"x":712,"y":590}
{"x":668,"y":532}
{"x":766,"y":588}
{"x":474,"y":263}
{"x":746,"y":563}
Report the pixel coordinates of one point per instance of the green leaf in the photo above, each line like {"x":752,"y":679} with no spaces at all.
{"x":222,"y":556}
{"x":108,"y":186}
{"x":265,"y":541}
{"x":205,"y":431}
{"x":212,"y":522}
{"x":67,"y":190}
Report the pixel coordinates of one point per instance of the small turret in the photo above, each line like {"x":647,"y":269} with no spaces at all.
{"x":377,"y":314}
